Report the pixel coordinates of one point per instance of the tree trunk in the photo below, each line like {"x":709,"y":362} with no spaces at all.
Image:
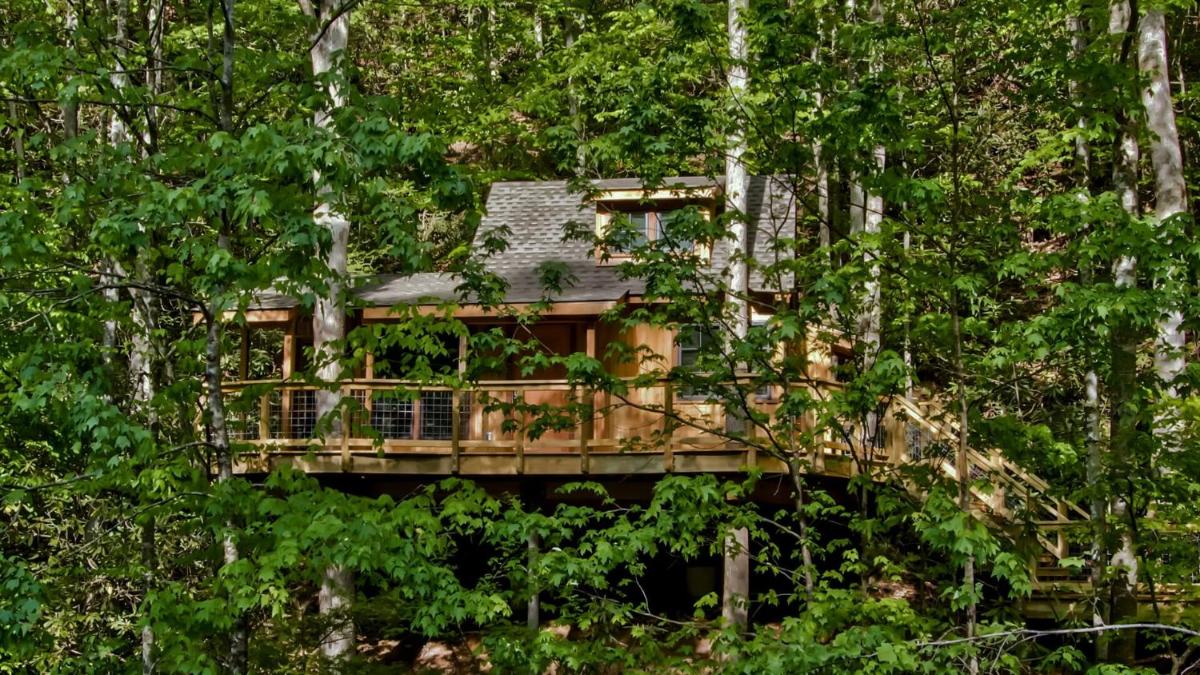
{"x":871,"y":317}
{"x":71,"y":104}
{"x":539,"y":35}
{"x":329,"y":314}
{"x":1123,"y":602}
{"x":1091,"y":405}
{"x":820,"y":162}
{"x":574,"y":24}
{"x":796,"y":474}
{"x":533,"y":610}
{"x":334,"y":602}
{"x":736,"y":587}
{"x":218,"y":428}
{"x":962,"y":468}
{"x":1170,"y":192}
{"x":219,"y":438}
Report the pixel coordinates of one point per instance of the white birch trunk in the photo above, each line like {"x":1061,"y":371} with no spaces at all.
{"x":329,"y":314}
{"x":1091,"y":405}
{"x":1125,"y":167}
{"x":539,"y":35}
{"x":736,"y":587}
{"x":71,"y":105}
{"x":1170,"y":191}
{"x":871,"y":317}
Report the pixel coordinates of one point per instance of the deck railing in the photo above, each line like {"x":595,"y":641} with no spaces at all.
{"x":523,"y":418}
{"x":524,"y":415}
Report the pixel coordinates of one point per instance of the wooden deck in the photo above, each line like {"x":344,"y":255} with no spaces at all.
{"x":555,"y":429}
{"x":548,"y":428}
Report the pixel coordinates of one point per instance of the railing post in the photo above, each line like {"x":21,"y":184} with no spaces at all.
{"x":264,"y":417}
{"x":345,"y":435}
{"x":455,"y":431}
{"x":416,"y":416}
{"x":668,"y":429}
{"x":819,"y":441}
{"x":456,"y":412}
{"x":285,"y":412}
{"x":606,"y":414}
{"x":285,"y":394}
{"x":893,"y":427}
{"x":519,"y":440}
{"x":587,"y":428}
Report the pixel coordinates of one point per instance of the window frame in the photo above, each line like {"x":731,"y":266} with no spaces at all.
{"x":682,"y":393}
{"x":653,"y":204}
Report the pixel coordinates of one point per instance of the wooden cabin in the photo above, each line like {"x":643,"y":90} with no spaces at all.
{"x":404,"y":429}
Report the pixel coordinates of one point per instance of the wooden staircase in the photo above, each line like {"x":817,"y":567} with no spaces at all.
{"x":1010,"y":499}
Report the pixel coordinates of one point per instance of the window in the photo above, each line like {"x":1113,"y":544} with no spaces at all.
{"x":651,"y":227}
{"x":764,"y":391}
{"x":663,"y":233}
{"x":690,"y":343}
{"x":641,"y":226}
{"x":640,"y":222}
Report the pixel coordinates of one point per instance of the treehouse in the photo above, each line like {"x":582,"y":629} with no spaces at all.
{"x":391,"y":428}
{"x":401,"y":427}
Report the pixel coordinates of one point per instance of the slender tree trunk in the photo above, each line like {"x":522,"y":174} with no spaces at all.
{"x":1091,"y":404}
{"x":736,"y":588}
{"x":533,"y":609}
{"x":574,"y":25}
{"x":219,"y":437}
{"x":329,"y":314}
{"x":145,"y":317}
{"x":1170,"y":193}
{"x":18,"y":136}
{"x":1123,"y":602}
{"x":218,"y":427}
{"x":795,"y":471}
{"x":539,"y":35}
{"x":148,"y":562}
{"x":820,"y":162}
{"x":871,"y":318}
{"x":963,"y":469}
{"x":71,"y":104}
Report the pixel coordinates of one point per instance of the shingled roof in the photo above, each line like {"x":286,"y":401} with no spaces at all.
{"x":536,"y":214}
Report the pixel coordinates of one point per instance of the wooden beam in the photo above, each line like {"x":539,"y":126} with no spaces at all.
{"x":639,"y":194}
{"x":285,"y":396}
{"x":256,"y":317}
{"x":264,"y":416}
{"x":456,"y":408}
{"x":345,"y":431}
{"x":587,"y":427}
{"x":289,"y":356}
{"x":519,"y":445}
{"x":581,"y":308}
{"x":668,"y":429}
{"x":415,"y":429}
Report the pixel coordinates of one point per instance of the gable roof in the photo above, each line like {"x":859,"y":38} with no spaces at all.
{"x":535,"y":215}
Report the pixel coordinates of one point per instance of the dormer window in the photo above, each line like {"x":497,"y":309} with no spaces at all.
{"x":642,"y":222}
{"x":647,"y":216}
{"x":650,"y":227}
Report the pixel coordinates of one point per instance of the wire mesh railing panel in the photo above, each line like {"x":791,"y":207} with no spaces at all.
{"x":437,"y":415}
{"x":302,"y":419}
{"x":392,"y":415}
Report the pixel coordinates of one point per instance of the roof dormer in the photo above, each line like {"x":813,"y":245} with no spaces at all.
{"x":649,"y":213}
